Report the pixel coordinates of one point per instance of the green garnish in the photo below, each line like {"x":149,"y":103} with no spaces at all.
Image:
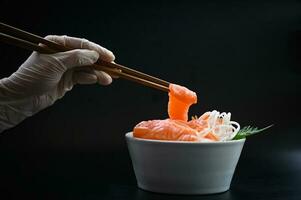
{"x":248,"y":130}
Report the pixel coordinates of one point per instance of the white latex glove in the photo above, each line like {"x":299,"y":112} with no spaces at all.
{"x":44,"y":78}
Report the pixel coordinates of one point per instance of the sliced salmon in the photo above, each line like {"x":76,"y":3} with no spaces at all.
{"x":198,"y":124}
{"x":167,"y":129}
{"x":211,"y":136}
{"x":177,"y":127}
{"x":180,"y":99}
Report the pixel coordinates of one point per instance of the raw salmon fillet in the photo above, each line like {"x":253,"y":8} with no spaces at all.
{"x":180,"y":99}
{"x":167,"y":129}
{"x":177,"y":127}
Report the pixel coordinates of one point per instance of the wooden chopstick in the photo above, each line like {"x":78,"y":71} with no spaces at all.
{"x":29,"y":42}
{"x":18,"y":33}
{"x":24,"y":44}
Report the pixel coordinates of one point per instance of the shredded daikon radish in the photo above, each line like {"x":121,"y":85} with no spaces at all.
{"x":220,"y":124}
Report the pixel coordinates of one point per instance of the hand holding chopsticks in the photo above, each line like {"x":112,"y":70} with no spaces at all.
{"x":23,"y":39}
{"x":43,"y":79}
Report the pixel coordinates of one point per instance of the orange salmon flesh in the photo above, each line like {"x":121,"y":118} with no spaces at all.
{"x":177,"y":127}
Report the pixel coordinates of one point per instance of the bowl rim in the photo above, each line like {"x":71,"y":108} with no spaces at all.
{"x":129,"y":135}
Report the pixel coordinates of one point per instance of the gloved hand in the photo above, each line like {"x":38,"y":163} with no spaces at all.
{"x":44,"y":78}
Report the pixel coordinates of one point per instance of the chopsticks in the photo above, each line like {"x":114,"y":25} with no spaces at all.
{"x":29,"y":41}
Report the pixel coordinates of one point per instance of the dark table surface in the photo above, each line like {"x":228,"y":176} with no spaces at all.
{"x":267,"y":169}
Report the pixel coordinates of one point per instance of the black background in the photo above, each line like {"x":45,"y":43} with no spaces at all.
{"x":241,"y":57}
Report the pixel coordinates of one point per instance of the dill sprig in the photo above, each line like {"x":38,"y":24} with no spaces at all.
{"x":249,"y":130}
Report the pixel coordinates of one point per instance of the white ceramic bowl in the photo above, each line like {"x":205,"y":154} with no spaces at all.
{"x":177,"y":167}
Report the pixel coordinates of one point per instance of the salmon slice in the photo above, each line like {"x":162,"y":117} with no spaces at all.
{"x":211,"y":136}
{"x":180,"y":99}
{"x":167,"y":129}
{"x":177,"y":127}
{"x":198,"y":124}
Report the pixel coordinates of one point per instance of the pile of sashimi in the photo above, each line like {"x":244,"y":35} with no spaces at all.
{"x":210,"y":127}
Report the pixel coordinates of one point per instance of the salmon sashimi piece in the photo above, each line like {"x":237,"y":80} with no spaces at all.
{"x":211,"y":136}
{"x":180,"y":99}
{"x":165,"y":130}
{"x":197,"y":124}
